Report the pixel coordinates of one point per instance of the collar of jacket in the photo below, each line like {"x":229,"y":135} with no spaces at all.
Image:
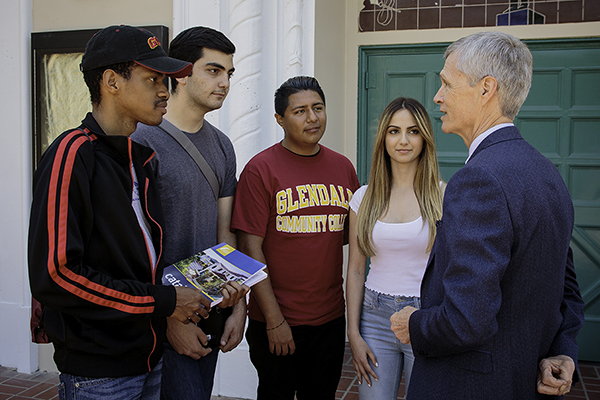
{"x":117,"y":146}
{"x":501,"y":135}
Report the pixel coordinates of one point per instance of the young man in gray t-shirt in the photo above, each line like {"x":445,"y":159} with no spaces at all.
{"x":195,"y":220}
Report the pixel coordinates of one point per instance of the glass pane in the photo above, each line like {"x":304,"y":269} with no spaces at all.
{"x":65,"y":98}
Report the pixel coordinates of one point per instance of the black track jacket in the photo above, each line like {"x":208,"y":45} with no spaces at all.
{"x":89,"y":264}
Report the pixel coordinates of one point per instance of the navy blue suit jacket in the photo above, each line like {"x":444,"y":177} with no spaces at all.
{"x":499,"y":293}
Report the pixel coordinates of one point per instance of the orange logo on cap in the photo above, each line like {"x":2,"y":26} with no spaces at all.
{"x":153,"y":42}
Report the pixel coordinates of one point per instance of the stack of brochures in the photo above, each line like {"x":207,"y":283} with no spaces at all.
{"x":211,"y":268}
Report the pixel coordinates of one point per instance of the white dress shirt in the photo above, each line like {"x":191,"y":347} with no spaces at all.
{"x":482,"y":137}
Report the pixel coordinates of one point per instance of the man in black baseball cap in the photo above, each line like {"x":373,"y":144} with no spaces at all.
{"x":96,"y":229}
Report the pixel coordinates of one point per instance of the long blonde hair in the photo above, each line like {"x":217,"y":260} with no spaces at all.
{"x":426,"y":184}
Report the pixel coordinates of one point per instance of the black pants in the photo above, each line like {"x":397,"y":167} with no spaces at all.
{"x":311,"y":373}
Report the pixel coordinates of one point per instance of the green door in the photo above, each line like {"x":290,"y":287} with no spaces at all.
{"x":561,"y":118}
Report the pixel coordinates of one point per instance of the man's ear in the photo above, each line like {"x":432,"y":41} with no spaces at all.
{"x":489,"y":86}
{"x":279,"y":120}
{"x":182,"y":81}
{"x":110,"y":81}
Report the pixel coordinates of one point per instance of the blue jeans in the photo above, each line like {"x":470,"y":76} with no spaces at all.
{"x":142,"y":387}
{"x":391,"y":355}
{"x":186,"y":378}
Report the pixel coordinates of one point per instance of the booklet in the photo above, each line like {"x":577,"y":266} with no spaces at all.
{"x":211,"y":268}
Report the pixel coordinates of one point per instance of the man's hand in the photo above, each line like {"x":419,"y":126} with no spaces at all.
{"x":232,"y":293}
{"x":191,"y":305}
{"x":187,"y":339}
{"x":281,"y":341}
{"x":399,"y":322}
{"x":555,"y":375}
{"x":234,"y":328}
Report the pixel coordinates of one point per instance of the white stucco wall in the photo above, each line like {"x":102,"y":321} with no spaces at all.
{"x":330,"y":65}
{"x":15,"y":347}
{"x":62,"y":15}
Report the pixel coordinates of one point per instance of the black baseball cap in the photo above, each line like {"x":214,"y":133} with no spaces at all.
{"x":122,"y":43}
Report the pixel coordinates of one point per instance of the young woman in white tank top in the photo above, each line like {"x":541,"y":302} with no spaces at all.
{"x":392,"y":221}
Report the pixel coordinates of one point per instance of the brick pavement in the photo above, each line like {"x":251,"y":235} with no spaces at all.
{"x":42,"y":385}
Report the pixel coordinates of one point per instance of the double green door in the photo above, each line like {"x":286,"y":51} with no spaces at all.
{"x":561,"y":118}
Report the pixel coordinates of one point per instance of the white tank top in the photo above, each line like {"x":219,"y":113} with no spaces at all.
{"x":401,"y":257}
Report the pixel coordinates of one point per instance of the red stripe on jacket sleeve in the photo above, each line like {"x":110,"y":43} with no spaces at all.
{"x":57,"y":241}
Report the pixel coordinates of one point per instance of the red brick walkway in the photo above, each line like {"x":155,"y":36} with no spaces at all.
{"x":16,"y":386}
{"x":588,"y":389}
{"x":42,"y":386}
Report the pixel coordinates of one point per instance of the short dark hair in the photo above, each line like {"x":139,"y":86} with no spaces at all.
{"x":93,"y":77}
{"x":295,"y":85}
{"x":189,"y":45}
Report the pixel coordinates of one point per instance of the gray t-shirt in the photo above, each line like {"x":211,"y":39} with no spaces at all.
{"x":189,"y":205}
